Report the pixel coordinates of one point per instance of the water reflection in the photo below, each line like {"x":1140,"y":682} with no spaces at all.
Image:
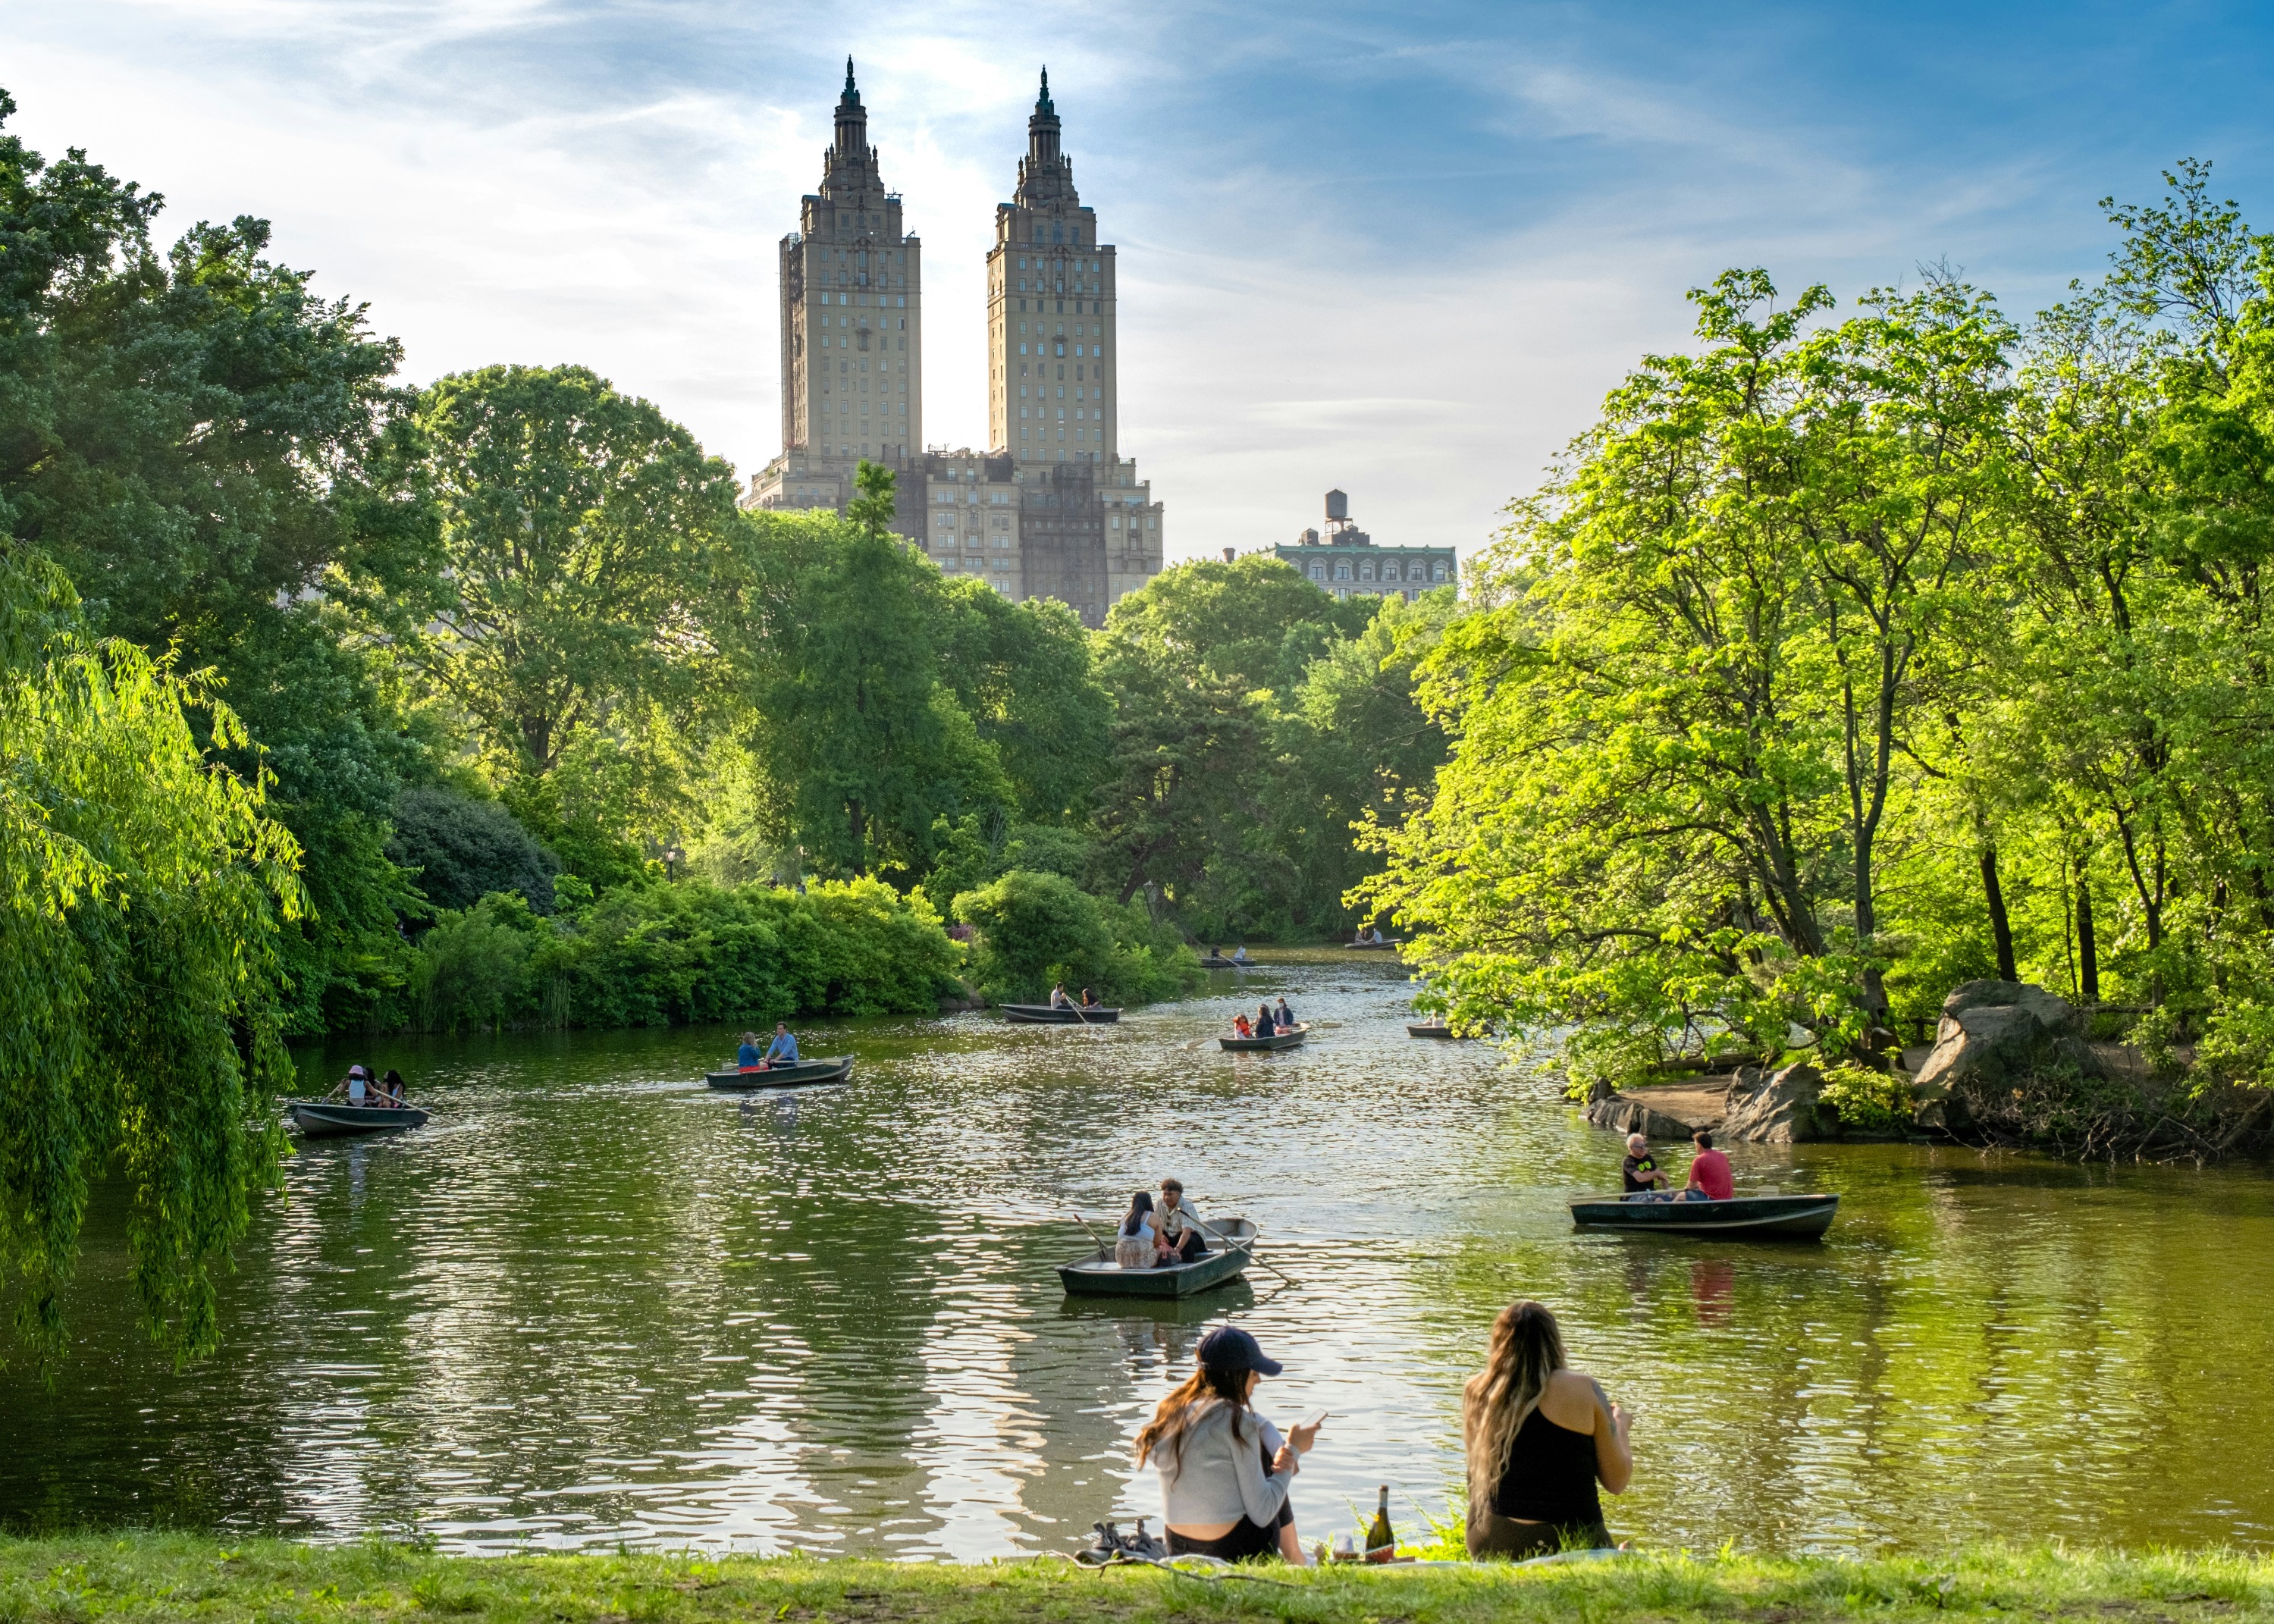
{"x":594,"y":1301}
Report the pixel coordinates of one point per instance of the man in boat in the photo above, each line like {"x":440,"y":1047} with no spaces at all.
{"x":783,"y":1050}
{"x":1709,"y":1172}
{"x":1240,"y":954}
{"x":1178,"y":1225}
{"x":1058,"y":999}
{"x":1640,"y":1176}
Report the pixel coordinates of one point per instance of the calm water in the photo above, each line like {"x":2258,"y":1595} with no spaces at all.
{"x":594,"y":1302}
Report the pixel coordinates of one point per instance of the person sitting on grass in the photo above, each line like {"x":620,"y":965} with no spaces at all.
{"x":1709,"y":1172}
{"x":1224,"y":1474}
{"x":1539,"y":1436}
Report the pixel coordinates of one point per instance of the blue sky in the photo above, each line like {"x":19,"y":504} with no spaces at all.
{"x":1403,"y":250}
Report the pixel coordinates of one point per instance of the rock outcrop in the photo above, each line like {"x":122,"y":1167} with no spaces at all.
{"x":1994,"y":1036}
{"x":1623,"y":1114}
{"x":1779,"y":1108}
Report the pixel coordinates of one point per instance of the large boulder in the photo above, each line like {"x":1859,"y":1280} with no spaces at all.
{"x":1993,"y":1036}
{"x":1780,"y":1108}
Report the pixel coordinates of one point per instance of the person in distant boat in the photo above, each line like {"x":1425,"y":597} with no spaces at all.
{"x":1090,"y":1000}
{"x":1640,"y":1177}
{"x":748,"y":1058}
{"x":1540,"y":1437}
{"x":1058,"y":999}
{"x":783,"y":1050}
{"x":1282,"y":1017}
{"x":1709,"y":1172}
{"x":1138,"y":1245}
{"x":359,"y":1086}
{"x":393,"y":1090}
{"x":1243,"y":1027}
{"x":1239,"y":954}
{"x":1179,"y":1224}
{"x":1266,"y":1024}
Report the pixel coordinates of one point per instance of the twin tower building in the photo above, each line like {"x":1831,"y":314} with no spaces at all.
{"x":1052,"y":508}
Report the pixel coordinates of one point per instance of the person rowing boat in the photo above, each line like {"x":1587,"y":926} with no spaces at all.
{"x":781,"y":1052}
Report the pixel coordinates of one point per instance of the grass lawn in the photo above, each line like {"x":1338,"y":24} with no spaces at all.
{"x":166,"y":1577}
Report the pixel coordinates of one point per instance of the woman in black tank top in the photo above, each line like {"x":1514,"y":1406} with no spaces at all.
{"x":1541,"y":1436}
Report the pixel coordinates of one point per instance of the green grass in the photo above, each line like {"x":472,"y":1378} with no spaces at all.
{"x":163,"y":1577}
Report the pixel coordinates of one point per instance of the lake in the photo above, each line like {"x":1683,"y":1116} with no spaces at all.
{"x":594,"y":1302}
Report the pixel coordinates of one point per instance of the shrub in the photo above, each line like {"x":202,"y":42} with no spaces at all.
{"x":473,"y":967}
{"x":1867,"y":1099}
{"x":463,"y":849}
{"x":1037,"y":929}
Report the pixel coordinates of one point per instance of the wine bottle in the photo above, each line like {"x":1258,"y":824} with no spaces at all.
{"x":1381,"y":1543}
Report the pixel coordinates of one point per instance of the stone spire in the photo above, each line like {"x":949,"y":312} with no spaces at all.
{"x":851,"y":167}
{"x":1045,"y":174}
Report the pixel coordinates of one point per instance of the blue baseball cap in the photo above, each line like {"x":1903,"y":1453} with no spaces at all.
{"x":1228,"y":1350}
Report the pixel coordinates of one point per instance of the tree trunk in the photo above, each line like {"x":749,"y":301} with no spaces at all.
{"x":2002,"y":931}
{"x":2088,"y":952}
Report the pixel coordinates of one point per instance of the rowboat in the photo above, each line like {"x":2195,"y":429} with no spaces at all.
{"x":1217,"y":962}
{"x":331,"y":1122}
{"x":1052,"y":1015}
{"x":1371,"y":947}
{"x":1289,"y":1038}
{"x":1765,"y":1215}
{"x":1099,"y":1276}
{"x":805,"y":1074}
{"x":1429,"y":1029}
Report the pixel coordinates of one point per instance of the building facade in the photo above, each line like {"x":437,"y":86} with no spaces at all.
{"x":1050,"y":509}
{"x":1346,"y":561}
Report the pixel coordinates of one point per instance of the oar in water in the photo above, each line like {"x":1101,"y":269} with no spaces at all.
{"x":1205,"y":1228}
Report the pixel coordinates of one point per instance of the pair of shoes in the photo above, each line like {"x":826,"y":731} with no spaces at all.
{"x":1113,"y":1545}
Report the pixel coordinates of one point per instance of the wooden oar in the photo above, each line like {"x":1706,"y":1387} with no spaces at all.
{"x":1102,"y":1251}
{"x":1205,"y":1228}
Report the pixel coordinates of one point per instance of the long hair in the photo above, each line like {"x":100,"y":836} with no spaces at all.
{"x":1526,"y":1349}
{"x":1140,"y":1207}
{"x":1175,"y":1415}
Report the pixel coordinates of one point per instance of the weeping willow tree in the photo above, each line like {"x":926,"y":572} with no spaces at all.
{"x":141,"y":887}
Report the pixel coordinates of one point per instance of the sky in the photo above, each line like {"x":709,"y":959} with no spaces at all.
{"x":1402,"y":248}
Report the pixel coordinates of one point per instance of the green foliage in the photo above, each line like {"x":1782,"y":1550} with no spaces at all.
{"x":138,"y":915}
{"x":651,"y":955}
{"x":1037,"y":930}
{"x":460,"y":849}
{"x":1868,"y":1100}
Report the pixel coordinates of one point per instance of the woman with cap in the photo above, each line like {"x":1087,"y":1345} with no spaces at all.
{"x":1540,"y":1435}
{"x":1224,"y":1472}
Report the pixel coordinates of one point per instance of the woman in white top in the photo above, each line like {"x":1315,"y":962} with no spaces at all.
{"x":1224,"y":1474}
{"x":1137,"y":1246}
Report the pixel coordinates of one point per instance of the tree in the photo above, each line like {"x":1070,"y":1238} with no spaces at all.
{"x":578,"y":526}
{"x":138,"y":997}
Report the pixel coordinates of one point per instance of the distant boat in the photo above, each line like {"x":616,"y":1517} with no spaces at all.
{"x":1767,"y":1216}
{"x":1373,"y":947}
{"x":805,"y":1074}
{"x":1217,"y":962}
{"x":1059,"y":1015}
{"x":320,"y":1121}
{"x":1289,"y":1037}
{"x":1429,"y":1029}
{"x":1099,"y":1276}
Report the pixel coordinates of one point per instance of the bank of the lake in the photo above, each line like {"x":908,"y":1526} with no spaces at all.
{"x":161,"y":1578}
{"x":593,"y":1302}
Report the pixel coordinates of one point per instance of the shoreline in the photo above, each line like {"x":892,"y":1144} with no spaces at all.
{"x":135,"y":1574}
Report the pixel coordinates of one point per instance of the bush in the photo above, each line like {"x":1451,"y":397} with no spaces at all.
{"x":1038,"y":929}
{"x":1868,"y":1100}
{"x":473,"y":967}
{"x":463,"y":849}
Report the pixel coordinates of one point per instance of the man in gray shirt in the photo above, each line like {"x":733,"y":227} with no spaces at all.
{"x":1178,"y":1224}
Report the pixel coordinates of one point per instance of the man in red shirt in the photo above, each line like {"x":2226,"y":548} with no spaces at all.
{"x":1709,"y":1172}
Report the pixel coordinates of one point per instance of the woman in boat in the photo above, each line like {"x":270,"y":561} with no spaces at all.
{"x":748,"y":1058}
{"x":1090,"y":1000}
{"x":1265,"y":1024}
{"x":1241,"y":1026}
{"x":393,"y":1091}
{"x":1541,"y":1436}
{"x":1282,"y":1017}
{"x":359,"y":1086}
{"x":1138,"y":1246}
{"x":1224,"y":1470}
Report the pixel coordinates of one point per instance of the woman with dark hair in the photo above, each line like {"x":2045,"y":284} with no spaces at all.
{"x":1137,"y":1246}
{"x":1225,"y":1471}
{"x":1540,"y":1435}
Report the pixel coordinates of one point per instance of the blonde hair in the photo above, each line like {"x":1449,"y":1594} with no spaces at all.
{"x":1526,"y":1349}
